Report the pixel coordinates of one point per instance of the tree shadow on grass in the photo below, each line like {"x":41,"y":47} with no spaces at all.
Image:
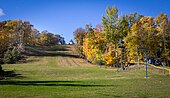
{"x":7,"y":74}
{"x":53,"y":48}
{"x":52,"y":83}
{"x":32,"y":51}
{"x":26,"y":61}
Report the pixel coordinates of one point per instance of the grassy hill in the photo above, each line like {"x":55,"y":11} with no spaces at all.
{"x":59,"y":72}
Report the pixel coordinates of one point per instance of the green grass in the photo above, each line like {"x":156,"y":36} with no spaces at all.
{"x":47,"y":77}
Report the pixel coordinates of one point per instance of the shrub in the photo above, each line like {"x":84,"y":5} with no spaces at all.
{"x":15,"y":54}
{"x":8,"y":57}
{"x":11,"y":56}
{"x":100,"y":62}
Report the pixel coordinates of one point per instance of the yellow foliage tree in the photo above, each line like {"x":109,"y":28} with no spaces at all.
{"x":94,"y":46}
{"x":109,"y":57}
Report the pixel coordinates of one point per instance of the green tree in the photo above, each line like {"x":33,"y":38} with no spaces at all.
{"x":110,"y":25}
{"x":111,"y":31}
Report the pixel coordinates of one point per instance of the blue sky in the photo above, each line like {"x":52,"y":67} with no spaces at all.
{"x":64,"y":16}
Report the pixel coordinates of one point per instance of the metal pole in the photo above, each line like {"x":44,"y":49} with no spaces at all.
{"x":121,"y":59}
{"x":146,"y":70}
{"x":145,"y":58}
{"x":146,"y":64}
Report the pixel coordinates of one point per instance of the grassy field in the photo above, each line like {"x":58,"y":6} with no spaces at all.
{"x":58,"y":72}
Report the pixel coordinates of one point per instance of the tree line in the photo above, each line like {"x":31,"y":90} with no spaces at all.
{"x":16,"y":34}
{"x":125,"y":38}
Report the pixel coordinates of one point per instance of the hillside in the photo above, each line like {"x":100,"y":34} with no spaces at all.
{"x":58,"y":71}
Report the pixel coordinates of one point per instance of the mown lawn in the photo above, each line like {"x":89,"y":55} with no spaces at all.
{"x":47,"y":77}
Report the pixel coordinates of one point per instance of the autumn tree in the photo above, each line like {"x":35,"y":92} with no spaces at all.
{"x":142,"y":36}
{"x":94,"y":45}
{"x":163,"y":28}
{"x":5,"y":37}
{"x":110,"y":29}
{"x":35,"y":39}
{"x":21,"y":33}
{"x":99,"y":28}
{"x":79,"y":35}
{"x":115,"y":29}
{"x":138,"y":32}
{"x":27,"y":36}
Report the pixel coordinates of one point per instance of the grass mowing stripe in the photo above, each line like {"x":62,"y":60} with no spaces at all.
{"x":52,"y":76}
